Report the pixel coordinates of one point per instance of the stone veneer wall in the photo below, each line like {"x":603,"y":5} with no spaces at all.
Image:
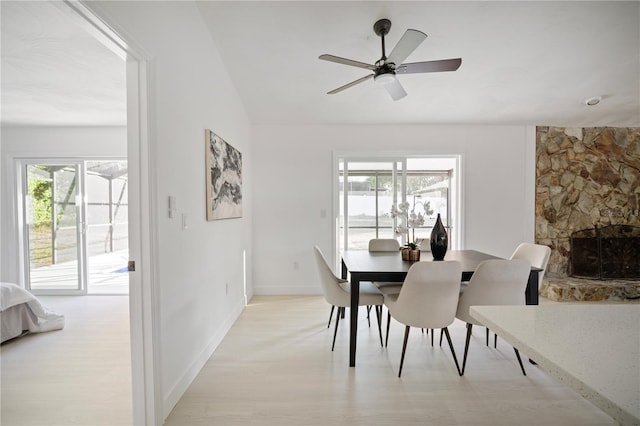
{"x":584,"y":177}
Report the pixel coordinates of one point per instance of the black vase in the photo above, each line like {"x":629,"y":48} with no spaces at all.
{"x":439,"y":240}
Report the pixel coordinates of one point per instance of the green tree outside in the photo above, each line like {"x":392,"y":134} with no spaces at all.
{"x":40,"y":192}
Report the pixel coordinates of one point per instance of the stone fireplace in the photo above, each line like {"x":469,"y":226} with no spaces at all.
{"x":587,"y":179}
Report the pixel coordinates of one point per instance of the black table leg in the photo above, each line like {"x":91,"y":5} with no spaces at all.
{"x":355,"y":301}
{"x":531,"y":294}
{"x":353,"y":330}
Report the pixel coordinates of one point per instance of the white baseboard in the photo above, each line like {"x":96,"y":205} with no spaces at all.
{"x":285,"y":291}
{"x":174,"y":395}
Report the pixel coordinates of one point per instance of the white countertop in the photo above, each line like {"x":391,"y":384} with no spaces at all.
{"x":595,"y":349}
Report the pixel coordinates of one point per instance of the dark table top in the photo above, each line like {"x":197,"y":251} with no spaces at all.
{"x":364,"y":261}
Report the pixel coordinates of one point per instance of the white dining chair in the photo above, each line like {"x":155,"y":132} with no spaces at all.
{"x":390,"y":245}
{"x":536,"y":254}
{"x":385,"y":245}
{"x":428,"y":299}
{"x":337,"y":292}
{"x":495,"y":282}
{"x":379,"y":245}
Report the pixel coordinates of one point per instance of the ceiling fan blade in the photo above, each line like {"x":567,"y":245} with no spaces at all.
{"x":410,"y":40}
{"x":396,"y":90}
{"x":344,"y":61}
{"x":353,"y":83}
{"x":429,"y":66}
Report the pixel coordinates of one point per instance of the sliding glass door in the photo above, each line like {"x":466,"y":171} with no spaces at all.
{"x":53,"y":226}
{"x":429,"y":186}
{"x":368,"y":189}
{"x":75,"y":229}
{"x":107,"y":212}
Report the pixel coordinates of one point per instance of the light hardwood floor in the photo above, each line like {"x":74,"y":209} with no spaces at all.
{"x":80,"y":375}
{"x":275,"y":367}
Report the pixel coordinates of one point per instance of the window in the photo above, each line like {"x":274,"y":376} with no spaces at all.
{"x":367,"y":190}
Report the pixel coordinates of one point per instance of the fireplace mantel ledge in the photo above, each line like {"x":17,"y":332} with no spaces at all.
{"x":571,"y":289}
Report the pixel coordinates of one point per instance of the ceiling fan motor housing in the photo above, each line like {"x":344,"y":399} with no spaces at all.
{"x":382,"y":27}
{"x":388,"y":68}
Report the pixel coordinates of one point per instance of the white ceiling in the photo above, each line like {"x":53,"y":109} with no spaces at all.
{"x":54,"y":72}
{"x":522,"y":63}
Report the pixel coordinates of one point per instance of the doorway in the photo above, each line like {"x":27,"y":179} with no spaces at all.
{"x":145,"y":356}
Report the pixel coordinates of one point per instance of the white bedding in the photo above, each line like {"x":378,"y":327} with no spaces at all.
{"x":39,"y":319}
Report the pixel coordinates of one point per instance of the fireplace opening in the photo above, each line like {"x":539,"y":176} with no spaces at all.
{"x":607,"y":253}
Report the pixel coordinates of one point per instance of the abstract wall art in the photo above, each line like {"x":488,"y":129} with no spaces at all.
{"x":224,"y":178}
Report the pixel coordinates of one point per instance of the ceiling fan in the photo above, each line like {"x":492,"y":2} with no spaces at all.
{"x":386,"y":68}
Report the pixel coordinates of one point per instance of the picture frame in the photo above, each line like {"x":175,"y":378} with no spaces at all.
{"x":224,"y":178}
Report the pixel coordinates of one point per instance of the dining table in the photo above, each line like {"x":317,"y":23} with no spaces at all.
{"x":363,"y":265}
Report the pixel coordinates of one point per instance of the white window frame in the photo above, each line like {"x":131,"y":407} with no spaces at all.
{"x":456,"y":189}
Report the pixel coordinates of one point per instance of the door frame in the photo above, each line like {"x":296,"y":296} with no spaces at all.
{"x":143,"y":296}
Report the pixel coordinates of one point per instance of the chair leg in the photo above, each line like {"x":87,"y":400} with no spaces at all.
{"x":441,"y":334}
{"x":388,"y":324}
{"x":379,"y":315}
{"x":368,"y":317}
{"x":495,"y":341}
{"x":335,"y":333}
{"x":466,"y":347}
{"x":487,"y":336}
{"x":404,"y":348}
{"x":432,"y":333}
{"x":520,"y":361}
{"x":330,"y":315}
{"x":453,"y":352}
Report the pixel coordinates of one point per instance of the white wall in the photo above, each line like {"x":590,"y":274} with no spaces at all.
{"x":62,"y":142}
{"x":293,"y":185}
{"x":288,"y":184}
{"x":190,"y":91}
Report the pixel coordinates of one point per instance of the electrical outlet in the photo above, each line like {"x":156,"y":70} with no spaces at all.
{"x":185,"y":221}
{"x":172,"y":206}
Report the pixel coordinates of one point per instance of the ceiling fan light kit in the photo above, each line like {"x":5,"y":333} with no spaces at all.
{"x":386,"y":68}
{"x":385,"y":78}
